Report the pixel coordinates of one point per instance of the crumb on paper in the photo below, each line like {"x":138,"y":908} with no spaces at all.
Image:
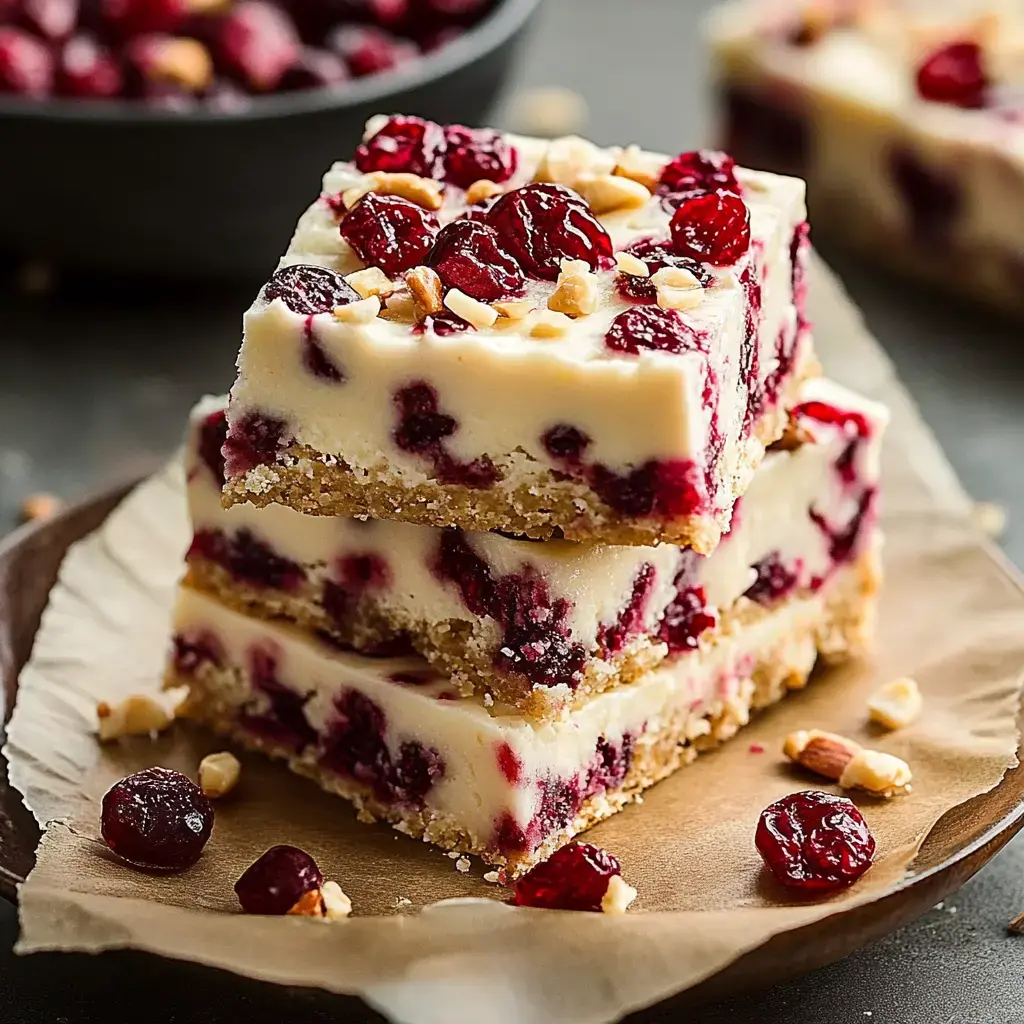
{"x":494,"y":877}
{"x":453,"y":855}
{"x":548,"y":111}
{"x":218,"y":774}
{"x":137,"y":715}
{"x":896,"y":704}
{"x":463,"y":864}
{"x":756,"y":748}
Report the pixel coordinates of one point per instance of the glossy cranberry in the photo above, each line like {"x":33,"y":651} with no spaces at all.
{"x":456,"y":8}
{"x":367,"y":50}
{"x":26,"y":66}
{"x":774,"y":580}
{"x":630,"y":621}
{"x":257,"y":42}
{"x":510,"y":764}
{"x":954,"y":75}
{"x":88,"y":70}
{"x":705,"y":169}
{"x":54,"y":20}
{"x":541,"y":224}
{"x":253,"y":441}
{"x":685,"y":619}
{"x":156,"y":819}
{"x":469,"y":256}
{"x":766,"y":131}
{"x":442,"y":324}
{"x":669,"y":487}
{"x":309,"y":290}
{"x":281,"y":718}
{"x":713,"y":227}
{"x":314,"y":68}
{"x":574,"y":877}
{"x":136,"y":17}
{"x":656,"y":255}
{"x":213,"y":432}
{"x":315,"y":18}
{"x":439,"y":38}
{"x":653,"y":329}
{"x":815,"y":843}
{"x":478,"y":153}
{"x":277,"y":880}
{"x":389,"y":232}
{"x":565,"y":443}
{"x":404,"y":144}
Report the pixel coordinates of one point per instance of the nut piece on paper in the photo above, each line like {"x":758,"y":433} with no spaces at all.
{"x":824,"y":753}
{"x":896,"y":704}
{"x":877,"y":773}
{"x":137,"y":715}
{"x":218,"y":774}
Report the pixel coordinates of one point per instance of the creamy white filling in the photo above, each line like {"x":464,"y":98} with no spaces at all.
{"x":596,"y":579}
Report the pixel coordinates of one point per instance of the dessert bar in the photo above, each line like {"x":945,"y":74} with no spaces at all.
{"x":395,"y":737}
{"x":904,"y":118}
{"x":542,"y":337}
{"x":542,"y":626}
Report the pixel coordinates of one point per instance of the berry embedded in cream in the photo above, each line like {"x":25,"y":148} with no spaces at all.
{"x":906,"y":119}
{"x":543,"y":626}
{"x":489,"y":331}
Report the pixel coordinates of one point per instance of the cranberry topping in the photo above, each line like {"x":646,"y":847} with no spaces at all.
{"x":314,"y":69}
{"x":774,"y":580}
{"x":565,"y":443}
{"x":442,"y":324}
{"x":954,"y":75}
{"x":654,"y":329}
{"x":213,"y":432}
{"x":284,"y":721}
{"x":277,"y":880}
{"x":195,"y":650}
{"x":707,"y":169}
{"x":671,"y":487}
{"x":88,"y":70}
{"x":574,"y":877}
{"x":713,"y":227}
{"x":541,"y":224}
{"x":404,"y":144}
{"x":367,"y":50}
{"x":253,"y":441}
{"x":815,"y":843}
{"x":357,"y":747}
{"x":258,"y":43}
{"x":656,"y":255}
{"x":536,"y":641}
{"x":138,"y":17}
{"x":469,"y":256}
{"x":686,"y":617}
{"x":52,"y":19}
{"x":248,"y":559}
{"x":389,"y":232}
{"x":474,"y":154}
{"x":156,"y":819}
{"x":26,"y":66}
{"x":931,"y":195}
{"x":767,"y":131}
{"x":309,"y":290}
{"x":611,"y":639}
{"x":510,"y":764}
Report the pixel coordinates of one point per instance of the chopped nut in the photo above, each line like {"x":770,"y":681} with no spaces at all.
{"x":627,"y":263}
{"x":548,"y":111}
{"x":577,"y":290}
{"x":336,"y":904}
{"x":137,"y":715}
{"x":677,"y":288}
{"x":424,"y":192}
{"x":479,"y":314}
{"x":641,"y":167}
{"x":400,"y":306}
{"x":546,"y":323}
{"x":609,"y":192}
{"x":362,"y":312}
{"x":896,"y":704}
{"x":618,"y":896}
{"x":351,"y":196}
{"x":481,"y":190}
{"x":990,"y":518}
{"x":569,"y":158}
{"x":311,"y":904}
{"x":462,"y":865}
{"x":823,"y":753}
{"x":218,"y":774}
{"x":371,"y":281}
{"x":516,"y":309}
{"x":877,"y":773}
{"x":426,"y":289}
{"x":39,"y":506}
{"x":494,"y":878}
{"x":185,"y":62}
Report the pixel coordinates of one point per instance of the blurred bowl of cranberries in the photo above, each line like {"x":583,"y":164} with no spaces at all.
{"x":183,"y":137}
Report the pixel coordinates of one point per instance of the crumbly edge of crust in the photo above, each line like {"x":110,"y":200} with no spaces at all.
{"x":547,"y":504}
{"x":843,"y":628}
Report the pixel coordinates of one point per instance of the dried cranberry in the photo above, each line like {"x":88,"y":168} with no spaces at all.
{"x":277,"y":880}
{"x":257,"y":42}
{"x":849,"y":420}
{"x":389,"y":232}
{"x":653,"y":329}
{"x":685,"y":618}
{"x":191,"y":652}
{"x":706,"y":169}
{"x":815,"y":842}
{"x":369,"y":51}
{"x":574,"y":877}
{"x":213,"y":432}
{"x":478,"y":153}
{"x":404,"y":144}
{"x":316,"y":360}
{"x":421,"y":427}
{"x":765,"y":130}
{"x":656,"y":255}
{"x":52,"y":19}
{"x":26,"y":67}
{"x":630,"y":621}
{"x":308,"y":290}
{"x":954,"y":75}
{"x":933,"y":198}
{"x":314,"y":69}
{"x":253,"y":441}
{"x":774,"y":580}
{"x":135,"y":17}
{"x":565,"y":443}
{"x":156,"y":819}
{"x":713,"y":227}
{"x":669,"y":487}
{"x":541,"y":224}
{"x":439,"y":38}
{"x":469,"y":256}
{"x":88,"y":70}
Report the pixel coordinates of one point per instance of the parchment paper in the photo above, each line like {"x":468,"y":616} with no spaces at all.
{"x":952,"y":616}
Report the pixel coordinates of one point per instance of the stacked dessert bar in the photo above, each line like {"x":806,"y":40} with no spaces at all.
{"x":527,"y":490}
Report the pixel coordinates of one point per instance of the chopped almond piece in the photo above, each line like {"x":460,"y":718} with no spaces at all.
{"x":577,"y":292}
{"x":426,"y":289}
{"x":481,"y":190}
{"x":824,"y":753}
{"x":479,"y":314}
{"x":218,"y":774}
{"x":364,"y":311}
{"x":371,"y":281}
{"x":137,"y":715}
{"x":877,"y":773}
{"x":607,"y":193}
{"x":896,"y":704}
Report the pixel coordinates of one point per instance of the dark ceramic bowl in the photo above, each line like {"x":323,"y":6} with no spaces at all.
{"x":122,"y":189}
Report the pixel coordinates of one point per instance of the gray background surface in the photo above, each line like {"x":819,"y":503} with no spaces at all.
{"x":95,"y":386}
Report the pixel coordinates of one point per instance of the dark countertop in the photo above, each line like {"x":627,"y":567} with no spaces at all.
{"x":96,"y":386}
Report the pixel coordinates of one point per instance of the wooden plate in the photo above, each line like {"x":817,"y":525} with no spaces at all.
{"x":963,"y":841}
